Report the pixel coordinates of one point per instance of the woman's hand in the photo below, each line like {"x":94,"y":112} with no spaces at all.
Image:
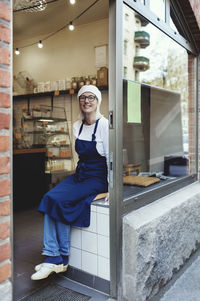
{"x":107,"y":197}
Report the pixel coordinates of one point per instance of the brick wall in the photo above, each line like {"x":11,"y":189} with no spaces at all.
{"x":195,"y":4}
{"x":199,"y":111}
{"x":5,"y":134}
{"x":191,"y":112}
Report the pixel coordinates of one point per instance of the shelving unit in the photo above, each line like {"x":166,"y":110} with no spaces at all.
{"x":51,"y":132}
{"x":51,"y":94}
{"x":39,"y":137}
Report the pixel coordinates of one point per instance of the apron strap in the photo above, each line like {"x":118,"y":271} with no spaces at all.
{"x":95,"y":129}
{"x":81,"y":127}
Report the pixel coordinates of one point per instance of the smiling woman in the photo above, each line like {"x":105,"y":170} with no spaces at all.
{"x":88,"y":103}
{"x":68,"y":204}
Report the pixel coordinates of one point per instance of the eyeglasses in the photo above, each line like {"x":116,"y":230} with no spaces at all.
{"x":90,"y":98}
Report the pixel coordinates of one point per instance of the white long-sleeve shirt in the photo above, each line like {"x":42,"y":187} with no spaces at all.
{"x":101,"y":135}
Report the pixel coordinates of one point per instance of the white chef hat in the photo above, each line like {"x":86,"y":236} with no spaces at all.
{"x":95,"y":91}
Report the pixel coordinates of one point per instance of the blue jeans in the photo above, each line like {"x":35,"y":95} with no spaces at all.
{"x":56,"y":237}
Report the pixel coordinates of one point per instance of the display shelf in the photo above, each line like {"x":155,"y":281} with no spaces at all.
{"x":29,"y":151}
{"x":53,"y":135}
{"x":56,"y":133}
{"x":42,"y":94}
{"x":60,"y":145}
{"x":52,"y":93}
{"x":41,"y":119}
{"x":33,"y":132}
{"x":68,"y":172}
{"x":58,"y":158}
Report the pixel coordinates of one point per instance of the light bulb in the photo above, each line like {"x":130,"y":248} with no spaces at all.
{"x":40,"y":45}
{"x":72,"y":2}
{"x":71,"y":26}
{"x":17,"y":52}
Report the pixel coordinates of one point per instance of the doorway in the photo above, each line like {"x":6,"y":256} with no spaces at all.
{"x":51,"y":62}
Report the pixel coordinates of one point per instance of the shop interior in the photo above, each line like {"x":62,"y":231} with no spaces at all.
{"x":57,"y":49}
{"x":51,"y":62}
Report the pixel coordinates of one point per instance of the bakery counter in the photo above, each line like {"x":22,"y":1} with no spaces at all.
{"x":29,"y":151}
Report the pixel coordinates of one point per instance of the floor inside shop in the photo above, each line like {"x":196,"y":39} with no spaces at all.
{"x":28,"y":230}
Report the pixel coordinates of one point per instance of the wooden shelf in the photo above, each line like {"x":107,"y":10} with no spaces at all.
{"x":29,"y":151}
{"x":58,"y":146}
{"x":58,"y":158}
{"x":53,"y":120}
{"x":51,"y":93}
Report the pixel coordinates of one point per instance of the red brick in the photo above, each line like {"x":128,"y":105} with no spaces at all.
{"x":5,"y":12}
{"x":4,"y":100}
{"x":5,"y":272}
{"x":4,"y":187}
{"x":4,"y":55}
{"x":4,"y":143}
{"x":4,"y":121}
{"x":5,"y":208}
{"x":4,"y":166}
{"x":4,"y":230}
{"x":5,"y":252}
{"x":4,"y":78}
{"x":4,"y":33}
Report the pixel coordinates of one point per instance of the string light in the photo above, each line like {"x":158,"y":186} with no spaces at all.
{"x":71,"y":26}
{"x":17,"y":52}
{"x":72,"y":2}
{"x":40,"y":45}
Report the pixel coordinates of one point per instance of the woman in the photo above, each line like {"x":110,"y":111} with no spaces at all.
{"x":69,"y":202}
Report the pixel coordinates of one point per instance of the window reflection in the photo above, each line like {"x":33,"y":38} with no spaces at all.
{"x":158,"y":8}
{"x":142,"y":1}
{"x":156,"y":138}
{"x":125,"y":47}
{"x":125,"y":72}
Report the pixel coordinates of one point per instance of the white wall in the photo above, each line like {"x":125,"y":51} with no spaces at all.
{"x":66,"y":54}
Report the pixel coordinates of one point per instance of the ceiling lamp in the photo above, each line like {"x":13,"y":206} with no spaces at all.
{"x":40,"y":45}
{"x":72,"y":1}
{"x":17,"y":52}
{"x":71,"y":26}
{"x":30,"y":6}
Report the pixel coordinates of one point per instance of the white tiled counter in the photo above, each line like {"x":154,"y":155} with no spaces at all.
{"x":90,"y":246}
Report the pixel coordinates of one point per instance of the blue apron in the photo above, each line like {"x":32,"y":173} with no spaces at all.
{"x":70,"y":200}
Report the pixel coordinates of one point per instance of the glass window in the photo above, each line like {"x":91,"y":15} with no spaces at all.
{"x":157,"y":113}
{"x":125,"y":47}
{"x":137,"y":50}
{"x":137,"y":75}
{"x":138,"y":24}
{"x":126,"y":17}
{"x":125,"y":72}
{"x":126,"y":20}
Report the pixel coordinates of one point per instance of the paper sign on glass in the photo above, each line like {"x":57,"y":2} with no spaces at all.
{"x":133,"y":102}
